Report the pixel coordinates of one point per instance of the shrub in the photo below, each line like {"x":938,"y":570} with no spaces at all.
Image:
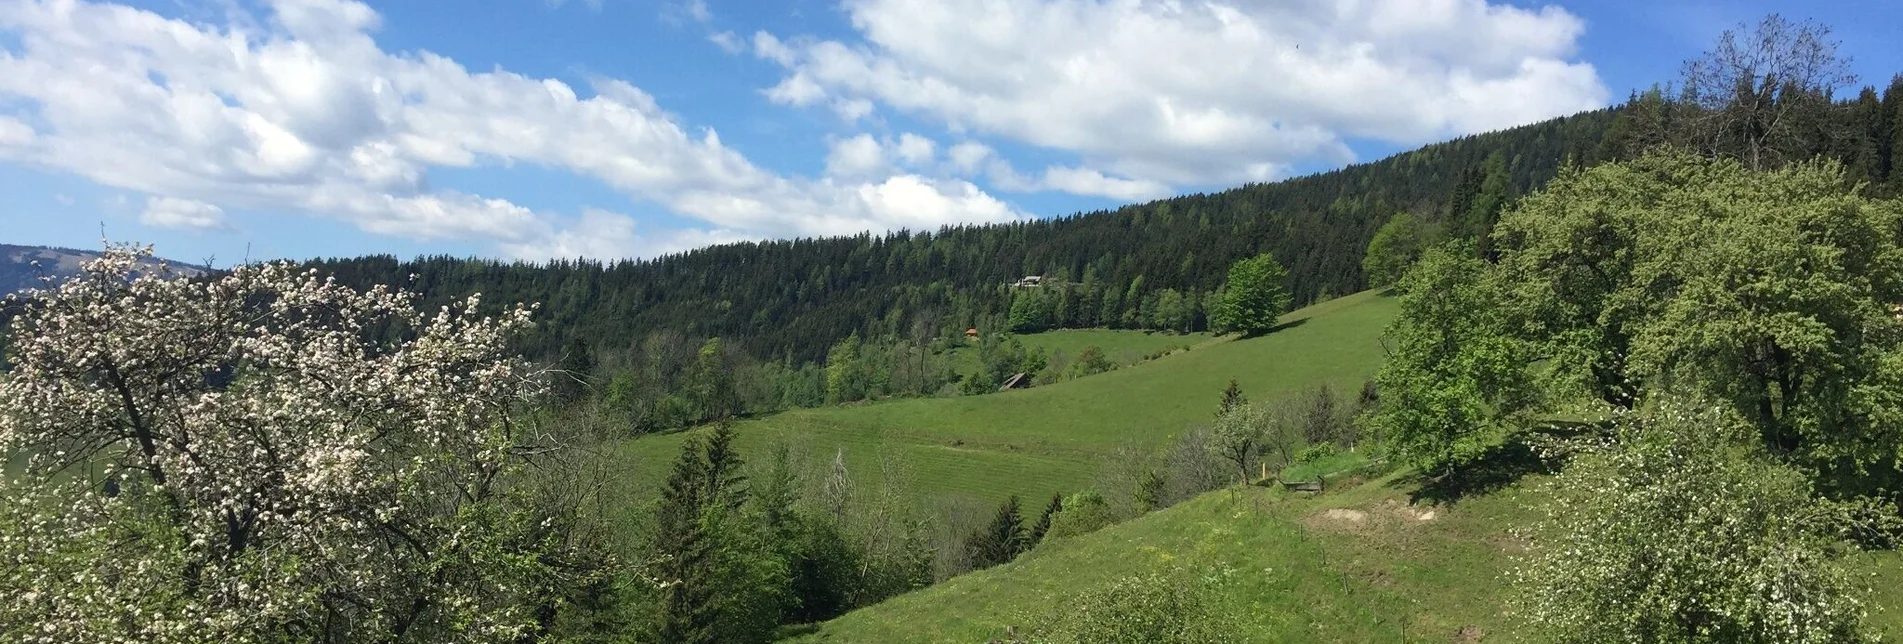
{"x":1684,"y":532}
{"x":1082,"y":513}
{"x":1153,"y":608}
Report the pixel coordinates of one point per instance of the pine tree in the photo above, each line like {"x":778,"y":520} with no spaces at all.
{"x":1231,"y":398}
{"x":1001,"y":540}
{"x":684,"y":553}
{"x":1043,"y":525}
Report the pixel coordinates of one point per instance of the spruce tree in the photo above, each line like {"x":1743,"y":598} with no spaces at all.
{"x":1043,"y":525}
{"x":1001,"y":540}
{"x":684,"y":553}
{"x":1231,"y":398}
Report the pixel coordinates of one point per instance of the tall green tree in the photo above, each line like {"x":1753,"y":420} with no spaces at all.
{"x":684,"y":553}
{"x":1395,"y":247}
{"x":1771,"y":291}
{"x":1454,"y":370}
{"x":1255,"y":296}
{"x":711,"y":383}
{"x":1001,"y":540}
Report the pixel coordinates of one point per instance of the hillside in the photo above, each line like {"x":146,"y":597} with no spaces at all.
{"x":1059,"y":438}
{"x":1366,"y":564}
{"x":797,"y":297}
{"x":22,"y":266}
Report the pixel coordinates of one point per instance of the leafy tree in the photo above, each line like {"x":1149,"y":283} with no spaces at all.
{"x":1029,"y":311}
{"x":247,"y":494}
{"x":999,"y":541}
{"x":1043,"y":525}
{"x":1087,"y":512}
{"x":1453,"y":370}
{"x":1395,"y":247}
{"x":1254,"y":298}
{"x":712,"y":385}
{"x":1239,"y":435}
{"x":844,"y":381}
{"x":1770,"y":291}
{"x":1683,"y":531}
{"x":1090,"y":360}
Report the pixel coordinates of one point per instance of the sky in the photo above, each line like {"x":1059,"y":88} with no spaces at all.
{"x":224,"y":131}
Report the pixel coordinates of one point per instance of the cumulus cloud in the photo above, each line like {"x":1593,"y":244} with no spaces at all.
{"x":305,"y":112}
{"x":1152,"y":93}
{"x":185,"y":214}
{"x":856,"y":156}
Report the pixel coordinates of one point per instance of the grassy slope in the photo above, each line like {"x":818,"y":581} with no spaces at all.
{"x":1296,"y":572}
{"x":1120,"y":347}
{"x":1038,"y":441}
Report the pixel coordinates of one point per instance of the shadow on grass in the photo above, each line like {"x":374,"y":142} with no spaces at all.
{"x":1495,"y":469}
{"x":1279,"y":327}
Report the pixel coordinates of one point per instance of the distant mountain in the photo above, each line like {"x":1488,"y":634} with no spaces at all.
{"x":22,"y":266}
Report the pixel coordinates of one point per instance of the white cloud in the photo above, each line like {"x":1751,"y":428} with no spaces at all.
{"x":184,"y":214}
{"x":1151,"y":93}
{"x":856,"y":156}
{"x":309,"y":114}
{"x":766,"y":46}
{"x":916,"y":150}
{"x":1083,"y":181}
{"x":63,"y":199}
{"x":968,"y":156}
{"x":728,"y":42}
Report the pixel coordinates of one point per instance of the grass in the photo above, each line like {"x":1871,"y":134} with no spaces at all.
{"x":1359,"y":563}
{"x":1122,"y":348}
{"x":1057,"y":438}
{"x":1286,"y":567}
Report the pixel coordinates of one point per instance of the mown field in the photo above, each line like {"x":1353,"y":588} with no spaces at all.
{"x":1059,"y":438}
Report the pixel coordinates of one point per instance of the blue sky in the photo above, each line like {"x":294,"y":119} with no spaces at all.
{"x":227,"y":129}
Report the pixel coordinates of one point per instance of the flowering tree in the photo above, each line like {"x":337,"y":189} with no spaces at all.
{"x":1683,"y":531}
{"x":247,"y":458}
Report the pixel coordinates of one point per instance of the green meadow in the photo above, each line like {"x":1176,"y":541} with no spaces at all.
{"x":1058,"y":438}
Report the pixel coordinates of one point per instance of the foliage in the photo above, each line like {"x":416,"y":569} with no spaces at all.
{"x":1769,"y":291}
{"x":269,"y":469}
{"x":1081,"y":513}
{"x":1043,"y":525}
{"x":1151,"y":608}
{"x":1453,"y":369}
{"x":1682,"y":531}
{"x":1254,"y":298}
{"x":1001,"y":540}
{"x":1238,"y":436}
{"x":1231,"y":398}
{"x":1395,"y":247}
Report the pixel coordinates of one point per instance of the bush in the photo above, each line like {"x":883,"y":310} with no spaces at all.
{"x":1083,"y":513}
{"x":1685,"y":532}
{"x":1153,"y":608}
{"x":1315,"y":453}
